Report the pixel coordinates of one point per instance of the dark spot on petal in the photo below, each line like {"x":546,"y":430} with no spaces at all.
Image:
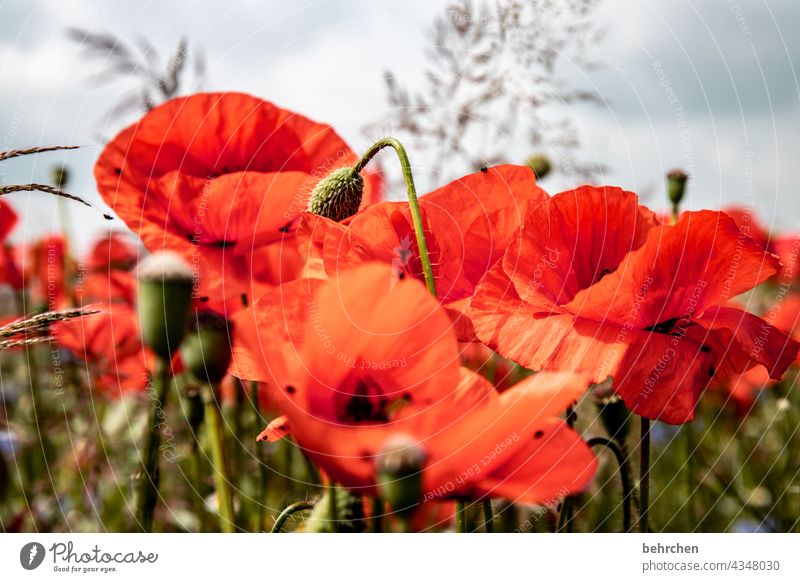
{"x":221,"y":244}
{"x":117,"y":171}
{"x":602,"y":274}
{"x":712,"y":371}
{"x":705,"y":348}
{"x":291,"y":389}
{"x":203,"y":299}
{"x":484,"y":169}
{"x":538,"y":434}
{"x":401,"y":275}
{"x":675,"y":326}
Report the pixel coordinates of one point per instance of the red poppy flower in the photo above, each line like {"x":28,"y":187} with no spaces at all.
{"x":111,"y":343}
{"x":48,"y":259}
{"x":113,"y":250}
{"x":750,"y":226}
{"x":8,"y":220}
{"x":221,"y":178}
{"x":741,"y":390}
{"x":468,"y":224}
{"x":106,"y":287}
{"x":595,"y":284}
{"x":108,"y":277}
{"x":376,"y":357}
{"x":10,"y":272}
{"x":786,"y":246}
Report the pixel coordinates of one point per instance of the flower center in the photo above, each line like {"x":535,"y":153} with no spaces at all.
{"x":362,"y":399}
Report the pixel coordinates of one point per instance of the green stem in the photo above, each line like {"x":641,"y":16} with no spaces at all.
{"x":377,"y":515}
{"x":150,"y":475}
{"x":644,"y":475}
{"x":222,"y":483}
{"x":416,"y":215}
{"x":488,"y":515}
{"x":565,"y":514}
{"x":286,"y":513}
{"x":624,"y":474}
{"x":461,"y":517}
{"x":333,"y":513}
{"x":263,"y":473}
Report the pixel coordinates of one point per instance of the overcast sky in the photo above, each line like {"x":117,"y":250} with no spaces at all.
{"x":709,"y":85}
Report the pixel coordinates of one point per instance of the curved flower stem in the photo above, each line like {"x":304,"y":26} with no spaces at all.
{"x":565,"y":513}
{"x":222,"y":483}
{"x":293,"y":508}
{"x":624,"y":474}
{"x":488,"y":515}
{"x":644,"y":474}
{"x":150,"y":475}
{"x":413,"y":203}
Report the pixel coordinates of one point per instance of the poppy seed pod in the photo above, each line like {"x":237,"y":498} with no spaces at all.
{"x":338,"y":195}
{"x":540,"y":164}
{"x":399,"y":472}
{"x":676,"y":185}
{"x":165,"y":300}
{"x":60,"y":176}
{"x":206,"y":351}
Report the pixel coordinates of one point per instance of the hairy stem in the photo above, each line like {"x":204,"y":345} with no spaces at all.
{"x":625,"y":477}
{"x":222,"y":482}
{"x":413,"y":202}
{"x":150,"y":474}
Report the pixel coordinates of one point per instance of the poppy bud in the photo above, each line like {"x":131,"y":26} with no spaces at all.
{"x":540,"y":164}
{"x":614,"y":415}
{"x":338,"y":195}
{"x":206,"y":351}
{"x":349,"y":513}
{"x":60,"y":177}
{"x":676,"y":186}
{"x":165,"y":300}
{"x":399,"y":472}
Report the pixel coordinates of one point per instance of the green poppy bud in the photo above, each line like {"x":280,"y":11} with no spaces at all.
{"x":60,"y":176}
{"x":540,"y":164}
{"x":206,"y":351}
{"x":676,"y":186}
{"x":399,"y":468}
{"x":338,"y":195}
{"x":165,"y":301}
{"x":614,"y":415}
{"x":350,"y":516}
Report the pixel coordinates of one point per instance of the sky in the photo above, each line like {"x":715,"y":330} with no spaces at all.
{"x":707,"y":85}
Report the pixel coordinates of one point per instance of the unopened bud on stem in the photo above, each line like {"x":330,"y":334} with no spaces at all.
{"x":540,"y":164}
{"x":338,"y":195}
{"x":206,"y":351}
{"x":399,"y":468}
{"x":165,"y":300}
{"x":676,"y":186}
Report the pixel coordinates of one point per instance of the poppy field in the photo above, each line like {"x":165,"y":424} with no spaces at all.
{"x":279,"y":331}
